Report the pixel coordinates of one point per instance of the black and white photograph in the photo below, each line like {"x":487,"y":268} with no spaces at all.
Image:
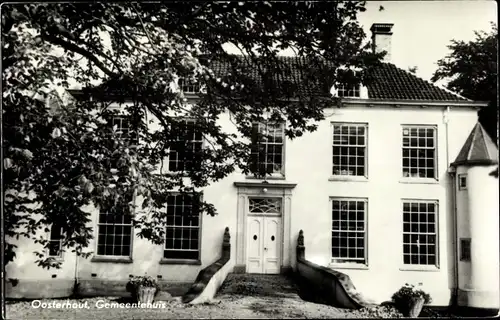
{"x":250,"y":160}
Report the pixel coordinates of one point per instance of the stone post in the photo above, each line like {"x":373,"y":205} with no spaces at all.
{"x":226,"y":245}
{"x":301,"y":249}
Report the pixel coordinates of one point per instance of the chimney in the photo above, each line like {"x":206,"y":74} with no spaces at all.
{"x":381,"y":38}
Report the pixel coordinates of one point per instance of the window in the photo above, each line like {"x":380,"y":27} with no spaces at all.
{"x":465,"y":249}
{"x":55,"y":241}
{"x":124,"y":128}
{"x":462,"y":182}
{"x":267,"y":154}
{"x":419,"y":152}
{"x":189,"y":87}
{"x":265,"y":205}
{"x":349,"y":230}
{"x":420,"y":232}
{"x":114,"y":235}
{"x":185,"y":147}
{"x":346,"y":91}
{"x":349,"y":149}
{"x":182,"y":239}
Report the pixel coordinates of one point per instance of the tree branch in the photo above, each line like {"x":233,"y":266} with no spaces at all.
{"x":72,"y":47}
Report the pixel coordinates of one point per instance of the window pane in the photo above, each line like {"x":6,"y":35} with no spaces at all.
{"x":181,"y":236}
{"x":419,"y":233}
{"x":348,"y":230}
{"x":349,"y":148}
{"x":418,"y":152}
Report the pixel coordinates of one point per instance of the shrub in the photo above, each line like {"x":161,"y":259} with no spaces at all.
{"x":406,"y":295}
{"x":146,"y":281}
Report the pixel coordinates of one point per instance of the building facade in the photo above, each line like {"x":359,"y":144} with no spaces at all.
{"x":377,"y":190}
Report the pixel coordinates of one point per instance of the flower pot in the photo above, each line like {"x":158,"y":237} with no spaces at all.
{"x":415,"y":307}
{"x":145,"y":294}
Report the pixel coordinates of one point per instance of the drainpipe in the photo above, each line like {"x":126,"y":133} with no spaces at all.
{"x":452,"y":173}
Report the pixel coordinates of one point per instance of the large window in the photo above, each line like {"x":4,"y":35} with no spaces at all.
{"x":114,"y":235}
{"x":420,"y":232}
{"x":184,"y":149}
{"x":182,"y":239}
{"x":419,"y":151}
{"x":349,"y":230}
{"x":268,"y":148}
{"x":349,"y":149}
{"x":55,"y":241}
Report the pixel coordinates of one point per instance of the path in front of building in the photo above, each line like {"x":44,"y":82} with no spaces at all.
{"x":271,"y":296}
{"x":242,"y":296}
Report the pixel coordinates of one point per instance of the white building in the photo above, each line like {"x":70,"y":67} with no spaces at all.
{"x":374,"y":189}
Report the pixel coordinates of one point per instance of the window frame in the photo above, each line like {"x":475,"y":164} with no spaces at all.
{"x":418,"y":179}
{"x":60,"y":256}
{"x":168,"y":158}
{"x":459,"y":181}
{"x":132,"y":140}
{"x":112,"y":258}
{"x":182,"y":83}
{"x":336,"y":262}
{"x":275,"y":175}
{"x":196,"y":261}
{"x":420,"y":267}
{"x":342,"y":87}
{"x":334,"y":176}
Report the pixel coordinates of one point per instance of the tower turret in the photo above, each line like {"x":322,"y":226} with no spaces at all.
{"x":476,"y":196}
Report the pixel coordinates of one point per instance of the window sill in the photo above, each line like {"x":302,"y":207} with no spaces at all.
{"x":419,"y":268}
{"x":112,"y":259}
{"x":348,"y":178}
{"x":276,"y":177}
{"x":352,"y":266}
{"x":419,"y":180}
{"x":180,"y":262}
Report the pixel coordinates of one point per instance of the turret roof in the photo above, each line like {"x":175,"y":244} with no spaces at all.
{"x":479,"y":149}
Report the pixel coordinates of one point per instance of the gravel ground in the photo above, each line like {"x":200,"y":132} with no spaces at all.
{"x":240,"y":297}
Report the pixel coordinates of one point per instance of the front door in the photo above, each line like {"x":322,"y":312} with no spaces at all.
{"x":263,"y":244}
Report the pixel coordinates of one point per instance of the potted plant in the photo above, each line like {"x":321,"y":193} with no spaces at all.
{"x":143,"y":288}
{"x":410,"y":300}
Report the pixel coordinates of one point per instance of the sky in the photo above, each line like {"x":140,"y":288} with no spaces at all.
{"x":423,"y":29}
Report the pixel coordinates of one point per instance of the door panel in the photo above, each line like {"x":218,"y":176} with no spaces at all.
{"x":272,"y":245}
{"x":255,"y":245}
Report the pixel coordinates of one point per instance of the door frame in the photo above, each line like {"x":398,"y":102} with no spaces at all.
{"x":263,"y":189}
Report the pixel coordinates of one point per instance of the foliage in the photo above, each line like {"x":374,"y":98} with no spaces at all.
{"x":136,"y":282}
{"x":471,"y":70}
{"x":407,"y":293}
{"x":63,"y":158}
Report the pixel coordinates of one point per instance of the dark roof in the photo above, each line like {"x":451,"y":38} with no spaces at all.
{"x":478,"y":149}
{"x":388,"y":81}
{"x":393,"y":83}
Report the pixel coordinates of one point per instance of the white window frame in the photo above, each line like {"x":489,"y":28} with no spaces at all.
{"x":188,"y":87}
{"x":353,"y":91}
{"x":342,"y":175}
{"x":408,"y":175}
{"x":419,"y":267}
{"x":462,"y":177}
{"x":100,"y":224}
{"x":169,"y":158}
{"x":60,"y":241}
{"x":124,"y":118}
{"x":182,"y":227}
{"x":278,"y":174}
{"x":341,"y":262}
